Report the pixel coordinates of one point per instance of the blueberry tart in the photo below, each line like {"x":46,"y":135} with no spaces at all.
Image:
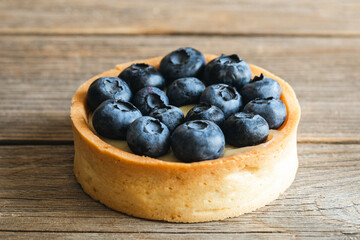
{"x":156,"y":183}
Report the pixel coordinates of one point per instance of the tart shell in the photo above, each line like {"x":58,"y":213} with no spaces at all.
{"x":185,"y":192}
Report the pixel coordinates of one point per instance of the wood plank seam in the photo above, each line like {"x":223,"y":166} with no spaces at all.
{"x":21,"y":142}
{"x":180,"y":233}
{"x":99,"y":32}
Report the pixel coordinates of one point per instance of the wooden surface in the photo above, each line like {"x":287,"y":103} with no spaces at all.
{"x":48,"y":48}
{"x":40,"y":195}
{"x":306,"y":17}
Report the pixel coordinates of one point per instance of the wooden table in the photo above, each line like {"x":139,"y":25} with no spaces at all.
{"x":48,"y":48}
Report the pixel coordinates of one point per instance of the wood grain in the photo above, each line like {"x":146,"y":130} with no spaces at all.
{"x":38,"y":77}
{"x":39,"y":196}
{"x":231,"y":17}
{"x":200,"y":236}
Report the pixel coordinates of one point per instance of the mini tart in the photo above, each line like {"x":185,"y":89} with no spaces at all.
{"x":185,"y":192}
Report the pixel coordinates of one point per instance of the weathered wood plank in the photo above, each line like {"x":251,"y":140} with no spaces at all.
{"x":38,"y":77}
{"x":185,"y":236}
{"x":304,"y":17}
{"x":38,"y":192}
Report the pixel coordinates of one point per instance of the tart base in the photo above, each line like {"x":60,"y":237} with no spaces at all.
{"x":180,"y":192}
{"x":186,"y":197}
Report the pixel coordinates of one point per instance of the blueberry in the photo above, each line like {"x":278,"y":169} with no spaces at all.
{"x":197,"y":140}
{"x":149,"y":98}
{"x":245,"y":129}
{"x":171,"y":116}
{"x":224,"y":97}
{"x":105,"y":88}
{"x":206,"y":112}
{"x":228,"y":69}
{"x":112,"y":118}
{"x":183,"y":62}
{"x":261,"y":87}
{"x":273,"y":110}
{"x":148,"y":136}
{"x":141,"y":75}
{"x":185,"y":91}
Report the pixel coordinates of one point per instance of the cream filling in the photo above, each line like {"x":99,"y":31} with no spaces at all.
{"x":170,"y":157}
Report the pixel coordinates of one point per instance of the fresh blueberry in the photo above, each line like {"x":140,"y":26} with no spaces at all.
{"x":261,"y":87}
{"x":171,"y":116}
{"x":206,"y":112}
{"x":149,"y":98}
{"x":197,"y":140}
{"x":245,"y":129}
{"x":224,"y":97}
{"x":148,"y":136}
{"x":105,"y":88}
{"x":112,"y":118}
{"x":183,"y":62}
{"x":273,"y":110}
{"x":141,"y":75}
{"x":228,"y":69}
{"x":185,"y":91}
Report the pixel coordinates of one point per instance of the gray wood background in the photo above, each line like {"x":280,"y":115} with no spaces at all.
{"x":48,"y":48}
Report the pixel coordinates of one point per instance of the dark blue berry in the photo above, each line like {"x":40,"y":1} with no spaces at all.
{"x":112,"y":118}
{"x":148,"y":136}
{"x":273,"y":110}
{"x":224,"y":97}
{"x":197,"y":140}
{"x":141,"y":75}
{"x":245,"y":129}
{"x":149,"y":98}
{"x":261,"y":87}
{"x":171,"y":116}
{"x":183,"y":62}
{"x":206,"y":112}
{"x":228,"y":69}
{"x":105,"y":88}
{"x":185,"y":91}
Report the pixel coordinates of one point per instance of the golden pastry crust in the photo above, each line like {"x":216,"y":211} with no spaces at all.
{"x":185,"y":192}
